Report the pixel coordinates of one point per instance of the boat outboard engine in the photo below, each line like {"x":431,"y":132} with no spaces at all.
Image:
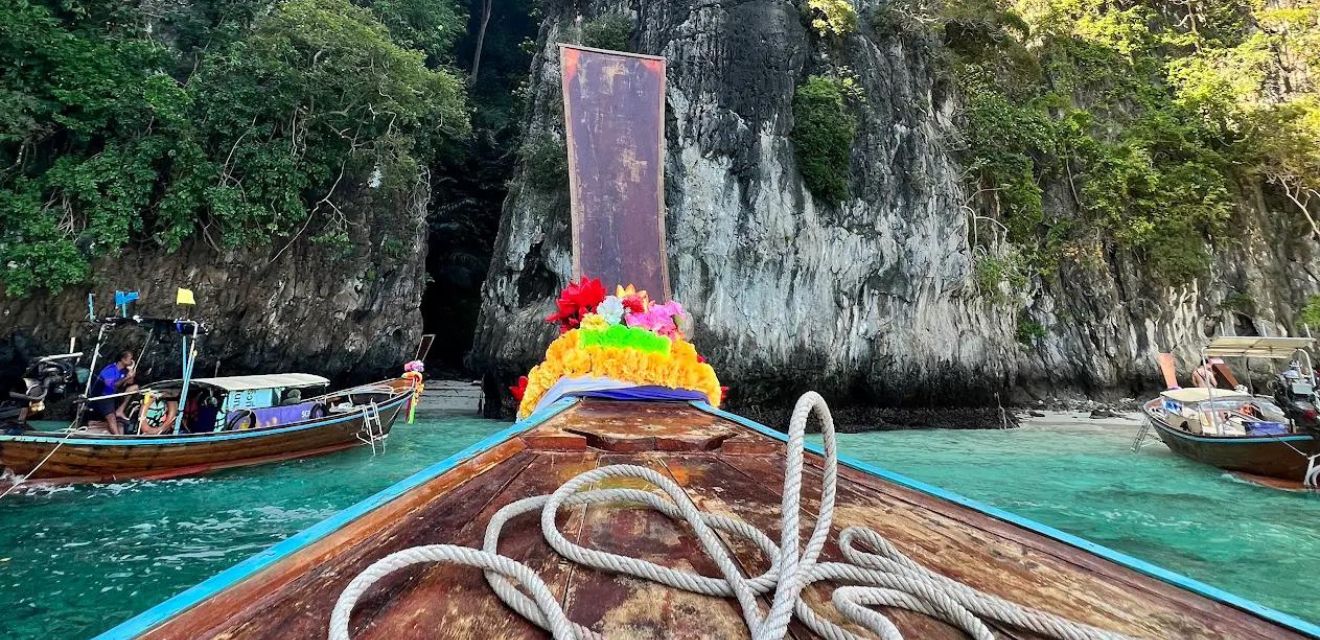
{"x":1297,"y":396}
{"x":47,"y":377}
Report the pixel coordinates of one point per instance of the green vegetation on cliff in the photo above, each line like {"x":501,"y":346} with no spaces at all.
{"x":823,"y":132}
{"x":1155,"y":120}
{"x":611,"y":31}
{"x":237,"y":121}
{"x":1311,"y":313}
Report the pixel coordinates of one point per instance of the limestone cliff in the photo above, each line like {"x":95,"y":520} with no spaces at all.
{"x":872,"y":300}
{"x":350,"y":313}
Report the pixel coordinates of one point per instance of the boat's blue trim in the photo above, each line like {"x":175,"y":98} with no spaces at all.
{"x":161,"y":441}
{"x":1231,"y":439}
{"x":162,"y":612}
{"x":1118,"y":557}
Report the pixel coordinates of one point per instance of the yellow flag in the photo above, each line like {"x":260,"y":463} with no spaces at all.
{"x":185,"y":297}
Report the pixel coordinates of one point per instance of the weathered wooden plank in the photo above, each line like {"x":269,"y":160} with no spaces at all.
{"x":719,"y":487}
{"x":1161,"y":607}
{"x":300,"y":591}
{"x":614,"y":120}
{"x":456,"y":601}
{"x":624,"y":607}
{"x":1000,"y":558}
{"x":295,"y":598}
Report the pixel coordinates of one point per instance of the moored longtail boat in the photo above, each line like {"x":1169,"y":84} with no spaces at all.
{"x":1269,"y":440}
{"x":193,"y":425}
{"x":608,"y":419}
{"x":333,"y":422}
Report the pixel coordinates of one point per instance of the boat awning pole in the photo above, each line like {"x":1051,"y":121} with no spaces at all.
{"x":189,"y":359}
{"x":1302,"y":355}
{"x":1210,"y":383}
{"x":91,"y":375}
{"x":146,"y":344}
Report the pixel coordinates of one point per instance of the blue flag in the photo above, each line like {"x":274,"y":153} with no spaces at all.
{"x":122,"y":298}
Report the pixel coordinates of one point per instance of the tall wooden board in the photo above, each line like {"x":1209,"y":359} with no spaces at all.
{"x":614,"y":117}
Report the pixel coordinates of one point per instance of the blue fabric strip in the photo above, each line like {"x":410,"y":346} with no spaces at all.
{"x":643,"y":393}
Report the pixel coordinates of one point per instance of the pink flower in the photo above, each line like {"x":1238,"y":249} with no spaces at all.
{"x":660,"y":318}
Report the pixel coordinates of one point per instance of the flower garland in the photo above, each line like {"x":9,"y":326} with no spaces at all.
{"x":622,"y":337}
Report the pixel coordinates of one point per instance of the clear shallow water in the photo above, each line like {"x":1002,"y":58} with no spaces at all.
{"x":76,"y":561}
{"x":1255,"y":542}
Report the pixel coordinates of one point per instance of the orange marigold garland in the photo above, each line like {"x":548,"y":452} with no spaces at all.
{"x":618,"y":338}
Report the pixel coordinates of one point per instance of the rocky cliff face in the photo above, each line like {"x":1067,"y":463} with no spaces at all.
{"x":872,"y":300}
{"x":349,"y":313}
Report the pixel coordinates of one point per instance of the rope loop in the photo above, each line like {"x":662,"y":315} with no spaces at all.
{"x":876,"y":572}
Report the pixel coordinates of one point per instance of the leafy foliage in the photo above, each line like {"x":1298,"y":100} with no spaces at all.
{"x":428,"y":25}
{"x":547,"y":162}
{"x":1311,"y":312}
{"x":999,"y":276}
{"x":1149,"y":113}
{"x":610,"y":31}
{"x":823,"y":132}
{"x":836,"y":18}
{"x":110,"y":137}
{"x":1029,"y":332}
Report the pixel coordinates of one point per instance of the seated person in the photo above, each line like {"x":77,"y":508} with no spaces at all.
{"x":117,"y":377}
{"x":200,"y":414}
{"x":292,"y":396}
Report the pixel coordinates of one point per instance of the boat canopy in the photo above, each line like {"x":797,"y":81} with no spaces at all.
{"x":1202,"y":394}
{"x":1256,"y":347}
{"x":250,"y":383}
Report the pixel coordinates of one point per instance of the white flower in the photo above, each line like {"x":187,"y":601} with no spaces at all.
{"x":611,"y":308}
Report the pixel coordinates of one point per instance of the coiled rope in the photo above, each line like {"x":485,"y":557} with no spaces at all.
{"x":883,"y":576}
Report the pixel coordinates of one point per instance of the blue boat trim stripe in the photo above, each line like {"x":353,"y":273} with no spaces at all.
{"x":145,"y":621}
{"x":1117,"y":557}
{"x":1231,"y":439}
{"x":158,"y":441}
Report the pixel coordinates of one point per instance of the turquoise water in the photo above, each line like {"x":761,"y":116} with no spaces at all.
{"x":1255,"y":542}
{"x":76,"y":561}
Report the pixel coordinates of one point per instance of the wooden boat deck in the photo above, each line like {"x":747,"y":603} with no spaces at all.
{"x":726,"y":468}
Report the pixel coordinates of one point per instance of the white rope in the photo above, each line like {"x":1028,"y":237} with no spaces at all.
{"x":878,"y":574}
{"x":23,"y":480}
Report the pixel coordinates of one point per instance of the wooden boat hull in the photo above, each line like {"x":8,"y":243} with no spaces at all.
{"x":102,"y":458}
{"x":1283,"y":457}
{"x":727,"y":465}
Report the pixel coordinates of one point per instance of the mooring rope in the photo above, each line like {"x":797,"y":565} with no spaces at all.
{"x":17,"y":482}
{"x":880,"y":574}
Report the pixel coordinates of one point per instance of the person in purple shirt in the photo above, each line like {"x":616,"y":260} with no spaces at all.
{"x":116,"y":377}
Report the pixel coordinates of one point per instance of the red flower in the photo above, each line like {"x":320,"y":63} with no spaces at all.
{"x":634,"y":304}
{"x":589,"y":293}
{"x":519,"y":389}
{"x":724,"y":394}
{"x":577,"y":300}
